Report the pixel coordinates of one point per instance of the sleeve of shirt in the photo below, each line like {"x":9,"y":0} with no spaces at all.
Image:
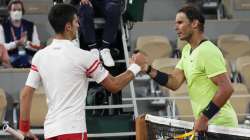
{"x":90,"y":64}
{"x":8,"y":46}
{"x":95,"y":69}
{"x":179,"y":64}
{"x":213,"y":62}
{"x":34,"y":78}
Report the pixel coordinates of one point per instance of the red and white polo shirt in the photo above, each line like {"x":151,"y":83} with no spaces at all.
{"x":63,"y":70}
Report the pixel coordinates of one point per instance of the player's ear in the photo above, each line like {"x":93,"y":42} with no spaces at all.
{"x":195,"y":23}
{"x":68,"y":26}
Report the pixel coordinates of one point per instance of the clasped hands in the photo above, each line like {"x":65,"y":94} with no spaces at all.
{"x":140,"y":59}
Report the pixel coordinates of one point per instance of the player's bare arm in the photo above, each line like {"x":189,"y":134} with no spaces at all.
{"x":115,"y":84}
{"x":223,"y":93}
{"x":25,"y":107}
{"x":225,"y":89}
{"x":25,"y":104}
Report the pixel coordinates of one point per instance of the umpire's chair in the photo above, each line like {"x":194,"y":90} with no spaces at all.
{"x":117,"y":53}
{"x":99,"y":120}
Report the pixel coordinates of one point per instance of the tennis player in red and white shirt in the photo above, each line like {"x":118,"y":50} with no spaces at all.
{"x":63,"y":70}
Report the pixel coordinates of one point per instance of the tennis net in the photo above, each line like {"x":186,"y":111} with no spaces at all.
{"x":160,"y":128}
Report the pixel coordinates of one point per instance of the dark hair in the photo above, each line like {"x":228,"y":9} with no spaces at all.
{"x":60,"y":15}
{"x":16,"y":2}
{"x":192,"y":14}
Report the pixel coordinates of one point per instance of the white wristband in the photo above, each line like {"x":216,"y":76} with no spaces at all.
{"x":134,"y":68}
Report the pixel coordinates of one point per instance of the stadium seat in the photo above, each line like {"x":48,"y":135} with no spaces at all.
{"x":3,"y":104}
{"x":241,"y":62}
{"x":240,"y":104}
{"x":244,"y":71}
{"x":236,"y":8}
{"x":234,"y":46}
{"x":37,"y":7}
{"x":154,"y":46}
{"x":232,"y":37}
{"x":183,"y":105}
{"x":234,"y":49}
{"x":242,"y":4}
{"x":241,"y":9}
{"x":12,"y":80}
{"x":229,"y":70}
{"x":38,"y":108}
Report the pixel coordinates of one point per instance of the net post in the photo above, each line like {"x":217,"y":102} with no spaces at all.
{"x":141,"y":128}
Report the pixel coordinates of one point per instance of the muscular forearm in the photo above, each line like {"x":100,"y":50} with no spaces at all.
{"x":25,"y":103}
{"x":115,"y":84}
{"x":171,"y":83}
{"x":222,"y":96}
{"x":223,"y":93}
{"x":123,"y":79}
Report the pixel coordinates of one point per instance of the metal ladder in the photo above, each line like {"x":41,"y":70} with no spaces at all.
{"x":133,"y":105}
